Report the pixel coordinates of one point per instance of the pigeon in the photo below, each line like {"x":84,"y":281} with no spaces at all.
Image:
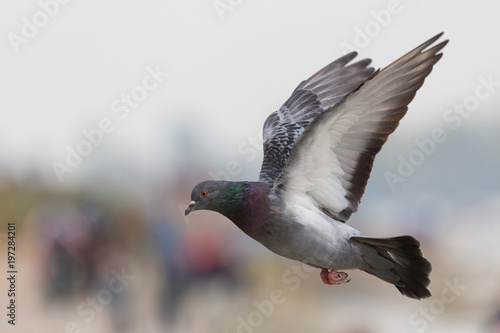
{"x":319,"y":149}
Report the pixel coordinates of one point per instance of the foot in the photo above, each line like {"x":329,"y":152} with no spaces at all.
{"x":333,"y":277}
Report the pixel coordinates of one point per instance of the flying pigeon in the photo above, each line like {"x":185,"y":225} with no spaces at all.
{"x":319,"y":149}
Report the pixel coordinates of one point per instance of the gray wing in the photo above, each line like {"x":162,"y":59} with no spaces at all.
{"x":331,"y":162}
{"x":311,"y":98}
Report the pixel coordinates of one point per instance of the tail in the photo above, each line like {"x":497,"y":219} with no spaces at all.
{"x":398,"y":261}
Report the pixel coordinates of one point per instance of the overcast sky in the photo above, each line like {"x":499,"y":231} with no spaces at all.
{"x":166,"y":79}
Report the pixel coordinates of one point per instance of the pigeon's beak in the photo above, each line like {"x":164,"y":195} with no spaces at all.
{"x":190,"y":208}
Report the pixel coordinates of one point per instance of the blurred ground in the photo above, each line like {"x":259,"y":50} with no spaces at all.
{"x":105,"y":265}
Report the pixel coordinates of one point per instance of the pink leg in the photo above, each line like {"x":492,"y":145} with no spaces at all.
{"x":333,"y":277}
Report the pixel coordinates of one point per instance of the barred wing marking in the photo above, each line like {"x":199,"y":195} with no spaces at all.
{"x":310,"y":99}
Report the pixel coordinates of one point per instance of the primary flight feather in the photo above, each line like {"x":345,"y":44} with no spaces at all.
{"x":319,"y":149}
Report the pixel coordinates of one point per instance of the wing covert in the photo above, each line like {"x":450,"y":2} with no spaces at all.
{"x":310,"y":99}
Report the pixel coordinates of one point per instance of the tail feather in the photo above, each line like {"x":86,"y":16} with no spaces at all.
{"x":399,"y":261}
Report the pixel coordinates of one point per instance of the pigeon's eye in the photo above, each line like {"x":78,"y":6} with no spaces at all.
{"x":203,"y":193}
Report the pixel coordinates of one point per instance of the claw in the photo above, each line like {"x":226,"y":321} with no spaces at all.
{"x":333,"y":277}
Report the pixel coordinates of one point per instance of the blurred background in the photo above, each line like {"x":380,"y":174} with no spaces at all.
{"x":112,"y":111}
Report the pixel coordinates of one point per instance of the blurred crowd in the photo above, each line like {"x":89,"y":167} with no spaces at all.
{"x":76,"y":243}
{"x":135,"y":265}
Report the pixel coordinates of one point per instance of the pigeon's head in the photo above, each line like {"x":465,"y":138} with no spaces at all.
{"x":205,"y":195}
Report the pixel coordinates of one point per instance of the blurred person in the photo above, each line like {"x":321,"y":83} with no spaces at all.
{"x":166,"y":238}
{"x":82,"y":248}
{"x":188,"y":258}
{"x":67,"y":237}
{"x":493,"y":323}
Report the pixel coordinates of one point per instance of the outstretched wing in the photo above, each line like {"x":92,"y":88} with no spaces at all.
{"x":331,"y":162}
{"x":311,"y":98}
